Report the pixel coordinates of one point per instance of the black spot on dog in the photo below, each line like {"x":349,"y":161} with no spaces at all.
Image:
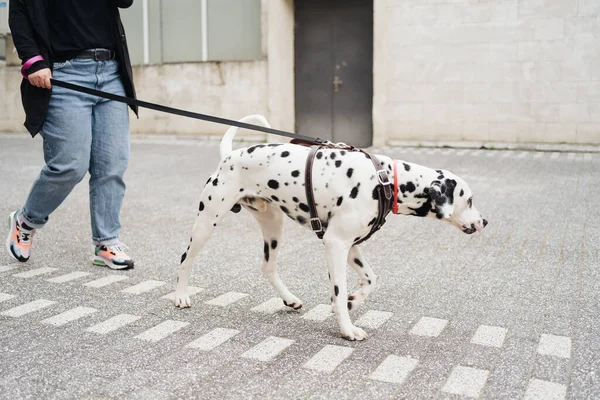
{"x":301,"y":220}
{"x":369,"y":281}
{"x":231,"y":168}
{"x":273,"y":184}
{"x":295,"y":199}
{"x":410,"y":187}
{"x":332,"y":156}
{"x":201,"y":206}
{"x":354,"y":192}
{"x":406,"y":167}
{"x":349,"y":172}
{"x":338,"y":163}
{"x":183,"y":257}
{"x":273,"y":244}
{"x":208,"y":181}
{"x":339,"y":200}
{"x":209,"y":198}
{"x":349,"y":305}
{"x":304,"y":207}
{"x":266,"y":250}
{"x":319,"y":155}
{"x":275,"y":198}
{"x":358,"y":262}
{"x":375,"y":193}
{"x":285,"y":154}
{"x":295,"y":173}
{"x":462,"y":193}
{"x":215,"y":182}
{"x":236,"y":208}
{"x":284,"y":209}
{"x":336,"y":290}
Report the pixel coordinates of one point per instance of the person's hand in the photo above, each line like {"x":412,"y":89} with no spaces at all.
{"x":41,"y":78}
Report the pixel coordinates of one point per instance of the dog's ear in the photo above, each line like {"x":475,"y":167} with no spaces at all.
{"x":441,"y":199}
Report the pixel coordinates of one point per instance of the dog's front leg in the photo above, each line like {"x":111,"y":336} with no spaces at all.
{"x":337,"y":254}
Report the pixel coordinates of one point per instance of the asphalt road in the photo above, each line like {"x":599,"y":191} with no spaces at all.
{"x":511,"y":313}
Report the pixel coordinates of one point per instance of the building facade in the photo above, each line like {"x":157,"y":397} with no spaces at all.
{"x":367,"y":72}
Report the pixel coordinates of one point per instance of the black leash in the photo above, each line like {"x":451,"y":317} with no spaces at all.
{"x":183,"y":113}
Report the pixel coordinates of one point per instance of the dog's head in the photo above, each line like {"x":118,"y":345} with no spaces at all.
{"x":452,"y":201}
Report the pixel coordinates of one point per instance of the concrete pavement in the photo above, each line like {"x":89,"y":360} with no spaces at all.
{"x":508,"y":314}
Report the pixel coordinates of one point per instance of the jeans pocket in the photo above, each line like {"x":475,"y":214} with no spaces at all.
{"x":60,"y":65}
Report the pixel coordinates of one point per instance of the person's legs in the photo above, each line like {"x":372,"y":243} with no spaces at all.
{"x":67,"y":140}
{"x":109,"y":157}
{"x":109,"y":160}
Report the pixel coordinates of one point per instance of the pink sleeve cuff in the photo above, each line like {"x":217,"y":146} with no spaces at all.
{"x":29,"y":63}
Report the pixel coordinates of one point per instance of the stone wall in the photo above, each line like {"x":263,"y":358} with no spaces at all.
{"x":488,"y":70}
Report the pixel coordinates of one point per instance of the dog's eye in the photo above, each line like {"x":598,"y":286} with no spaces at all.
{"x":470,"y":202}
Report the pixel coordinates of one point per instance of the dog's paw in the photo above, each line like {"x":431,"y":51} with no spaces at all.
{"x":293,"y":302}
{"x":182,"y":301}
{"x":354,"y":333}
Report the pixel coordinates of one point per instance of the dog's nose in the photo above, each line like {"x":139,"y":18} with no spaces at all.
{"x":484,"y":222}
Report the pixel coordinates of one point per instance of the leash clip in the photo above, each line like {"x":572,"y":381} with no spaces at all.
{"x":316,"y":225}
{"x":383,"y":177}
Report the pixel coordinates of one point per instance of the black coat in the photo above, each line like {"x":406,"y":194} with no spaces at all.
{"x":29,"y":27}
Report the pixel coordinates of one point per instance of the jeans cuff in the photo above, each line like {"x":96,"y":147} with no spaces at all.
{"x":107,"y":241}
{"x":22,"y":218}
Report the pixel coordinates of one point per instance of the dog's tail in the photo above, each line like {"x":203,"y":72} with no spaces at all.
{"x":227,"y":141}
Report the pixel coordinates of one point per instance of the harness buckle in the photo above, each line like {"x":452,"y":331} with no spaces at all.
{"x":383,"y":177}
{"x":316,"y":225}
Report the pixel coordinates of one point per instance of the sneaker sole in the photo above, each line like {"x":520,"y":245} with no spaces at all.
{"x":8,"y":248}
{"x":101,"y":262}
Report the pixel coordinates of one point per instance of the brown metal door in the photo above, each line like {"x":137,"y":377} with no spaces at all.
{"x":334,"y":70}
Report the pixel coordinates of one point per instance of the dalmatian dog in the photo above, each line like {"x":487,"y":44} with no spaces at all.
{"x":268,"y":181}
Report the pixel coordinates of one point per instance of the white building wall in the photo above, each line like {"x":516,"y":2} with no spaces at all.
{"x":488,"y":70}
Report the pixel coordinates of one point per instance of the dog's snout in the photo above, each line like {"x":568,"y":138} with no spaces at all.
{"x":485,"y":222}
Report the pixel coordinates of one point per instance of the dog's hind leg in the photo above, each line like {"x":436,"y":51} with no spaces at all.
{"x":366,"y":277}
{"x":271,"y":224}
{"x":216,"y":201}
{"x":337,"y":251}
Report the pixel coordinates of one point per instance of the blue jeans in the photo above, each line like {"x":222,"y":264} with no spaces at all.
{"x":83,"y":133}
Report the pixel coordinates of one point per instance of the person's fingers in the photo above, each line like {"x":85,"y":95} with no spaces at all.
{"x":47,"y":83}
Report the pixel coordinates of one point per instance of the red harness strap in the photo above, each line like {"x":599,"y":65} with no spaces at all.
{"x":395,"y":200}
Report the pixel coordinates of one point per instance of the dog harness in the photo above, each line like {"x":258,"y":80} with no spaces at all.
{"x":385,"y":197}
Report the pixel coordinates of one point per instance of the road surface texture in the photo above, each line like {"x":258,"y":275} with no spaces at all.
{"x":512,"y":313}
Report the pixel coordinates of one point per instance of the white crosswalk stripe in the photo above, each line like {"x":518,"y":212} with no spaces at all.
{"x":107,"y":280}
{"x":522,"y":154}
{"x":192,"y":290}
{"x":143,"y":287}
{"x":492,"y":336}
{"x":554,"y":155}
{"x":328,"y":358}
{"x":428,"y":326}
{"x":6,"y":296}
{"x":506,"y":153}
{"x":270,"y":306}
{"x":538,"y":154}
{"x":112,"y":324}
{"x":69,"y":316}
{"x":319,"y":313}
{"x":6,"y":268}
{"x":268,"y":348}
{"x":226,"y":299}
{"x":538,"y":389}
{"x":373,"y":319}
{"x":394,"y":369}
{"x":571,"y":156}
{"x":69,"y":277}
{"x":27,"y":308}
{"x":162,"y":330}
{"x":35,"y":272}
{"x":213,"y":339}
{"x":466,"y":381}
{"x":558,"y":346}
